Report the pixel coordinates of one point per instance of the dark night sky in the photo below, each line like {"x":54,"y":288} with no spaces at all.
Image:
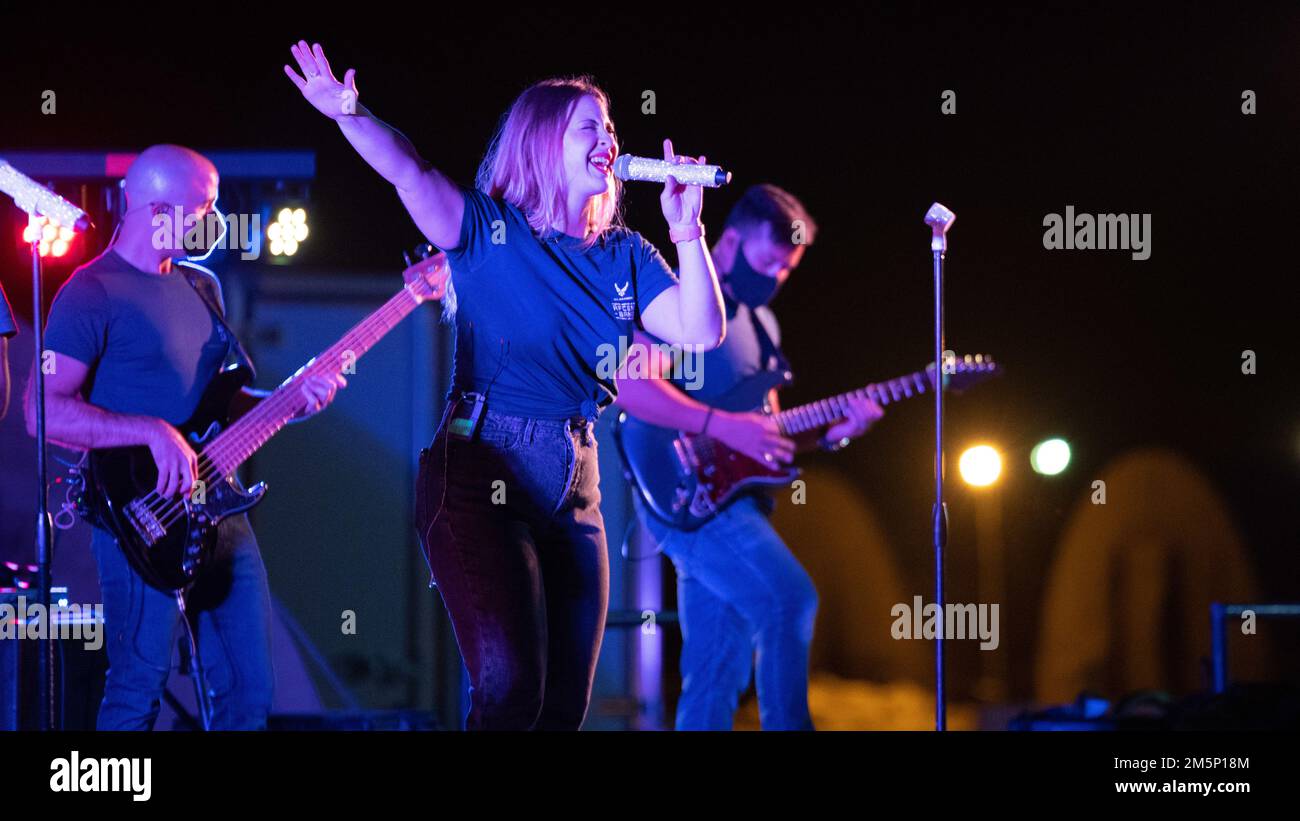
{"x":1106,"y":111}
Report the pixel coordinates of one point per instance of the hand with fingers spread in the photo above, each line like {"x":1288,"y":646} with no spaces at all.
{"x":317,"y":83}
{"x":178,"y":464}
{"x":681,"y":203}
{"x":754,"y":435}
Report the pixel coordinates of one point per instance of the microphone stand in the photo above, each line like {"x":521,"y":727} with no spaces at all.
{"x":39,"y":201}
{"x":939,"y":219}
{"x":44,"y":525}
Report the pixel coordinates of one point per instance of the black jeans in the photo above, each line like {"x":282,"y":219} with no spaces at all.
{"x":510,"y":523}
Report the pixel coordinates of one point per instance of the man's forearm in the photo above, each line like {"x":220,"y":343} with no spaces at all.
{"x":76,"y":423}
{"x":659,"y":403}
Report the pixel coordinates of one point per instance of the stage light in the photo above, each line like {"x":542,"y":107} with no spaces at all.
{"x":1050,"y":457}
{"x":55,"y":240}
{"x":287,"y":232}
{"x":980,"y":466}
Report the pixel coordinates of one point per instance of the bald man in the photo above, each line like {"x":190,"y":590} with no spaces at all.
{"x":135,"y":346}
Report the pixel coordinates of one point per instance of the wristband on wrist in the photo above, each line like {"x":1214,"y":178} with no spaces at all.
{"x":685,"y":233}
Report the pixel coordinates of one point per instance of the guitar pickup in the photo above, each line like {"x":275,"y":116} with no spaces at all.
{"x":145,"y":522}
{"x":685,"y":456}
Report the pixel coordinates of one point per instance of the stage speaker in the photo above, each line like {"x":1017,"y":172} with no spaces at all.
{"x":80,"y":662}
{"x":336,"y":527}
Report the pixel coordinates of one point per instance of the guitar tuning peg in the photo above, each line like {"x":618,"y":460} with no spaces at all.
{"x":407,"y":259}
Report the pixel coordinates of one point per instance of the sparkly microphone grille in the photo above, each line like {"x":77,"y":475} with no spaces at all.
{"x":35,"y":198}
{"x":628,"y":167}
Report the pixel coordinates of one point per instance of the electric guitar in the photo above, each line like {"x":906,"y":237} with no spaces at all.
{"x":685,"y":479}
{"x":168,"y":540}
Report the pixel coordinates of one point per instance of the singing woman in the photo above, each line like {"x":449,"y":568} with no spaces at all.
{"x":545,"y":276}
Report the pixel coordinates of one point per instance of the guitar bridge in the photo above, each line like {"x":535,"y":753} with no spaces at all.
{"x":702,"y":503}
{"x":145,"y":522}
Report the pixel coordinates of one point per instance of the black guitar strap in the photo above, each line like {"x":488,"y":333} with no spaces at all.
{"x":203,"y":283}
{"x":773,"y":359}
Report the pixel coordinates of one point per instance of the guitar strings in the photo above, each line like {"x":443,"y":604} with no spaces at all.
{"x":241,"y":440}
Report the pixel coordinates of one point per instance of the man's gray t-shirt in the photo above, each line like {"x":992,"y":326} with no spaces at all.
{"x":739,"y":357}
{"x":150,"y":340}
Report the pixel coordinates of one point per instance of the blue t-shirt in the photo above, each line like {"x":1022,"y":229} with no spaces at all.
{"x":538,"y":317}
{"x":150,"y":340}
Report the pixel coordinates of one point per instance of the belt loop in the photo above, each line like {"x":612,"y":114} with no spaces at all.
{"x":578,"y":421}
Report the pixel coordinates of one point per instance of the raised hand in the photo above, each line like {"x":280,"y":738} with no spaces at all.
{"x":318,"y":84}
{"x":681,"y":203}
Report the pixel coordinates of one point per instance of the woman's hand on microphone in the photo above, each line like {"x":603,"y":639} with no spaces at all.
{"x":681,"y":203}
{"x":318,"y":85}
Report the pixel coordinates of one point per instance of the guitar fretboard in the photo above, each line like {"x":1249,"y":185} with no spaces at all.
{"x":819,"y":414}
{"x":242,"y":439}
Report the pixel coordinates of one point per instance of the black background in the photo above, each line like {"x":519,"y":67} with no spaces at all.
{"x":1109,"y":110}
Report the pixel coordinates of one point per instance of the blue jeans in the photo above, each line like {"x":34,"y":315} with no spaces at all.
{"x":742,"y":596}
{"x":510,"y":523}
{"x":232,"y":605}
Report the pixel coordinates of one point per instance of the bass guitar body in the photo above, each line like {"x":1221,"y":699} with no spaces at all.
{"x":167,"y":541}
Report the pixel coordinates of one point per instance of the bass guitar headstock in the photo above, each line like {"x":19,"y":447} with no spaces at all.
{"x":426,"y":278}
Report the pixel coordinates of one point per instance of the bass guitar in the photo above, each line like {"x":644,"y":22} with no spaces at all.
{"x":168,"y":540}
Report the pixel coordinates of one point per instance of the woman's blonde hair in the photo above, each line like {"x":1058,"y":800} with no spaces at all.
{"x":524,"y":164}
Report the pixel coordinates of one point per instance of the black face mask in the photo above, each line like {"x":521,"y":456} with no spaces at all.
{"x":749,"y":287}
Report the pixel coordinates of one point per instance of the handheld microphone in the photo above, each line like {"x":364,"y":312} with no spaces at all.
{"x":38,"y":200}
{"x":628,"y":167}
{"x":940,"y":219}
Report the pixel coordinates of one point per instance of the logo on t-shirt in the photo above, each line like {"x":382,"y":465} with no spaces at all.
{"x":624,"y":306}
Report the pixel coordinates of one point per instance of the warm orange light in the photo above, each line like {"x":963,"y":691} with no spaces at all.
{"x":55,"y":240}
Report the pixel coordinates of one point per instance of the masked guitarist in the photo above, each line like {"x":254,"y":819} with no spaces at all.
{"x":135,"y":339}
{"x":742,"y":595}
